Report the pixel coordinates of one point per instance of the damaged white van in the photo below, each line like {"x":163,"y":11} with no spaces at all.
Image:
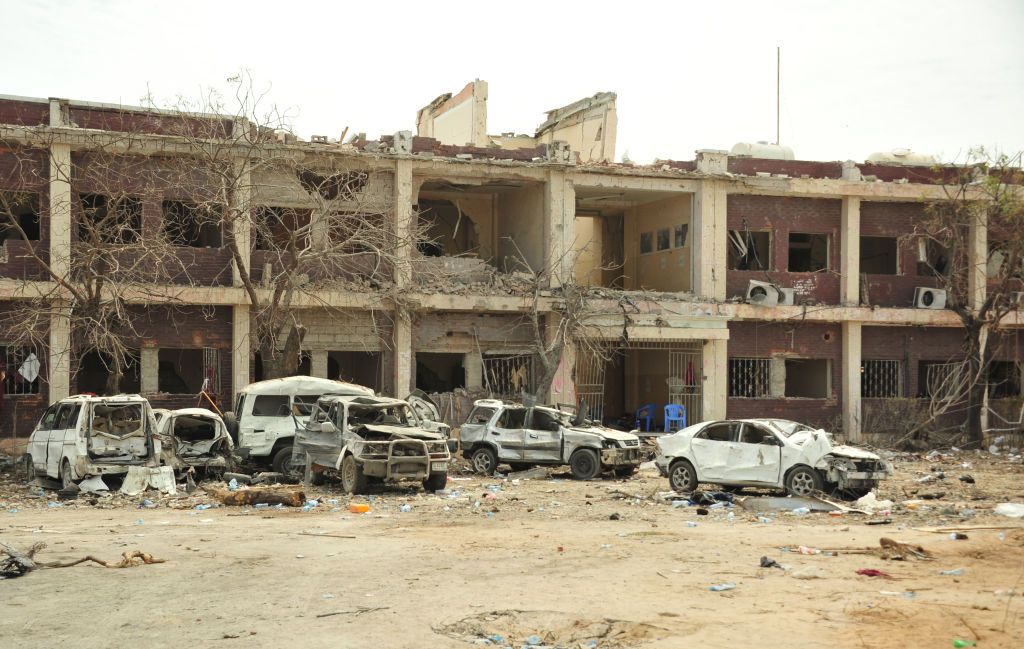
{"x":87,"y":435}
{"x":194,"y":438}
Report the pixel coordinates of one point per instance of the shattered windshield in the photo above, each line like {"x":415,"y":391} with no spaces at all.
{"x":117,"y":419}
{"x":787,"y":427}
{"x":302,"y":404}
{"x":393,"y":414}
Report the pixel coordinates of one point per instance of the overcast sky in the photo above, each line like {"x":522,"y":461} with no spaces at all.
{"x":857,"y":77}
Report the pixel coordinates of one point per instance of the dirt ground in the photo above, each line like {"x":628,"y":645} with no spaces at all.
{"x":493,"y":561}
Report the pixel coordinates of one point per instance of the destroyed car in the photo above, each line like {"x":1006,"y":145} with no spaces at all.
{"x":501,"y":432}
{"x":86,"y":435}
{"x":773,"y":453}
{"x":194,"y":438}
{"x":366,"y":439}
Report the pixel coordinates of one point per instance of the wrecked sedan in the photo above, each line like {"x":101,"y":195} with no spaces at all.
{"x":497,"y":431}
{"x":85,"y":435}
{"x":368,"y":439}
{"x":194,"y":438}
{"x":774,"y":453}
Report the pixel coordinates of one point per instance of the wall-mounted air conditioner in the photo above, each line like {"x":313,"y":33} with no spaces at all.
{"x":762,"y":293}
{"x":929,"y":298}
{"x":787,"y":296}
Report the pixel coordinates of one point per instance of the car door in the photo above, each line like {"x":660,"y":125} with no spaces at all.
{"x":543,"y":440}
{"x":55,"y":442}
{"x":711,"y":449}
{"x":752,"y":458}
{"x":40,"y":442}
{"x":509,"y":434}
{"x":264,"y":418}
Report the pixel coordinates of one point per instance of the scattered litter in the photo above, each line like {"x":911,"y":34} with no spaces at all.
{"x":93,"y":484}
{"x":892,"y":549}
{"x":770,"y":563}
{"x":960,"y":643}
{"x":1013,"y":510}
{"x":967,"y":479}
{"x":957,"y":536}
{"x":956,"y":572}
{"x":717,"y":588}
{"x":871,"y":572}
{"x":358,"y":508}
{"x":871,"y":504}
{"x":405,"y":508}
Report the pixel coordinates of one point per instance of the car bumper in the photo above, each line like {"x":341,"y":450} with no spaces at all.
{"x":621,"y":456}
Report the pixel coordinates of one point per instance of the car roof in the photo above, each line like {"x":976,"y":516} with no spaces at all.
{"x":363,"y":400}
{"x":293,"y":385}
{"x":134,"y":398}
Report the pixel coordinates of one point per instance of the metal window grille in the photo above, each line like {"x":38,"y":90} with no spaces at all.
{"x":211,"y":370}
{"x":749,"y":377}
{"x":509,"y":376}
{"x":944,"y":380}
{"x":686,"y":380}
{"x":881,"y":379}
{"x":20,"y":364}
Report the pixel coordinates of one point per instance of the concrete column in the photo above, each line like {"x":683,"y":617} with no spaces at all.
{"x":240,"y":348}
{"x":59,"y":366}
{"x":849,"y":252}
{"x":402,"y":347}
{"x":403,"y":200}
{"x":474,"y":367}
{"x":60,"y":209}
{"x":318,"y":363}
{"x":631,"y":250}
{"x":715,"y":388}
{"x":149,"y":379}
{"x":243,"y":218}
{"x":777,"y":377}
{"x":851,"y":374}
{"x":977,"y":260}
{"x":710,"y":228}
{"x":560,"y":222}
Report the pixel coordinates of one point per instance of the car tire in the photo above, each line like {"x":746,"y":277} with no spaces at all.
{"x":625,"y":471}
{"x":67,"y":481}
{"x":282,"y":463}
{"x":484,"y":460}
{"x":802,"y":480}
{"x":353,"y":480}
{"x":435,"y":482}
{"x":585,"y":464}
{"x":682,"y":477}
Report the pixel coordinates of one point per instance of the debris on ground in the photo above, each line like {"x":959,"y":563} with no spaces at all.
{"x":515,"y":628}
{"x":19,"y":563}
{"x":288,"y":496}
{"x":872,"y":572}
{"x":1013,"y":510}
{"x":896,"y":551}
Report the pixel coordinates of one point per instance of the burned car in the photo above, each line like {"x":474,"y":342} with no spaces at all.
{"x":366,"y":439}
{"x":500,"y":432}
{"x":86,"y":435}
{"x":772,"y":453}
{"x":194,"y":438}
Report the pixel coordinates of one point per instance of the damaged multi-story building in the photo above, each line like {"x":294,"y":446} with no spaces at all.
{"x":670,"y":256}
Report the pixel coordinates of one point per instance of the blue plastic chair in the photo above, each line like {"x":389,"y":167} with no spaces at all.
{"x":645,"y":416}
{"x":675,"y":417}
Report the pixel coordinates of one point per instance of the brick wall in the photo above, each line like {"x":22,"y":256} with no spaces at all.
{"x":19,"y":413}
{"x":782,"y":215}
{"x":27,"y":171}
{"x":895,"y":220}
{"x":24,"y":113}
{"x":460,"y":332}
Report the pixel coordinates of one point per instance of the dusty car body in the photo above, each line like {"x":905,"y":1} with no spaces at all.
{"x":86,"y":435}
{"x":775,"y":453}
{"x":366,"y":439}
{"x":193,"y":437}
{"x":501,"y":432}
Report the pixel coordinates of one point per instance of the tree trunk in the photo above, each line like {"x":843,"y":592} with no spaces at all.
{"x":114,"y":380}
{"x":279,"y":364}
{"x":977,"y":367}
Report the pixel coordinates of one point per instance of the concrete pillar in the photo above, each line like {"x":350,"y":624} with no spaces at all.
{"x":474,"y":366}
{"x":149,"y":379}
{"x":59,"y":366}
{"x":977,"y":260}
{"x":318,"y":363}
{"x":777,"y":377}
{"x":403,"y":200}
{"x":631,"y":248}
{"x":710,"y":228}
{"x":715,"y":388}
{"x":240,"y":348}
{"x":402,"y":351}
{"x":560,"y":221}
{"x":60,"y":209}
{"x":849,"y":252}
{"x":243,"y":218}
{"x":851,"y":375}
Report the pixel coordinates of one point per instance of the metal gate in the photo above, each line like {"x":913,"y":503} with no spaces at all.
{"x":685,"y":381}
{"x":590,"y":370}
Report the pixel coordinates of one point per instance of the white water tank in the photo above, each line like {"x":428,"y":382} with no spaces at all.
{"x":762,"y":150}
{"x":903,"y":157}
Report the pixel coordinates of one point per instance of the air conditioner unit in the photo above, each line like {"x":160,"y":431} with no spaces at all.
{"x":929,"y":298}
{"x":787,"y":296}
{"x":762,"y":293}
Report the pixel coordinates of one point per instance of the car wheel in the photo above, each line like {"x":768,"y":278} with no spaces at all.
{"x":803,"y":481}
{"x":625,"y":471}
{"x":435,"y":482}
{"x":66,"y":479}
{"x":285,"y":464}
{"x":682,"y":477}
{"x":353,"y":480}
{"x":585,"y":464}
{"x":484,"y":460}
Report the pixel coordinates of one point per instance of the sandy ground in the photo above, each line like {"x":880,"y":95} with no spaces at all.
{"x":542,"y":557}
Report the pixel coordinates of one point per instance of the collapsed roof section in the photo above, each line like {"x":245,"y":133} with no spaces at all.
{"x":586,"y":127}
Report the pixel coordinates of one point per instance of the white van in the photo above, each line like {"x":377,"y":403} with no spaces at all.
{"x":267,"y":413}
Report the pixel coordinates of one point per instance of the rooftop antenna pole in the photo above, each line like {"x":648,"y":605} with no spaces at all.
{"x":778,"y":75}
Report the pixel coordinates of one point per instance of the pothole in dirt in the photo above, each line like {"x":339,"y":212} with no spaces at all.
{"x":514,"y":628}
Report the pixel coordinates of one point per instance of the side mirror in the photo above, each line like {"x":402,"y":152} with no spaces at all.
{"x":770,"y":440}
{"x":328,"y":427}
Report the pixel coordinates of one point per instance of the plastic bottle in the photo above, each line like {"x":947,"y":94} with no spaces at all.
{"x":960,"y":643}
{"x":717,"y":588}
{"x":406,"y":507}
{"x":955,"y":573}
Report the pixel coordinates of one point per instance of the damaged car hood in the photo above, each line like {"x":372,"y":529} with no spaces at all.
{"x":607,"y":433}
{"x":403,"y":431}
{"x":853,"y":453}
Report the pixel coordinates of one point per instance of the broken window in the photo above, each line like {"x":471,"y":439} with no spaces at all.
{"x":110,"y":219}
{"x":808,"y":253}
{"x":808,"y":378}
{"x":20,"y":367}
{"x":749,"y":377}
{"x":1004,"y":379}
{"x":19,"y":210}
{"x":192,"y":225}
{"x":749,"y":250}
{"x":512,"y":418}
{"x":481,"y":415}
{"x":940,"y":380}
{"x":753,"y":434}
{"x":723,"y":432}
{"x":932,"y":258}
{"x":881,"y":379}
{"x":270,"y":405}
{"x":999,"y":261}
{"x":543,"y":420}
{"x":361,"y":368}
{"x":438,"y":372}
{"x":681,"y":231}
{"x":509,"y":375}
{"x":646,"y":242}
{"x":879,"y":256}
{"x":188,"y":371}
{"x":96,"y":370}
{"x":275,"y":227}
{"x":345,"y":185}
{"x":664,"y":242}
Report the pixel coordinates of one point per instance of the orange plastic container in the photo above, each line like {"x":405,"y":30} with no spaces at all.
{"x":359,"y":508}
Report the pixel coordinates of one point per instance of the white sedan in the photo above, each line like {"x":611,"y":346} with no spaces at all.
{"x":773,"y":453}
